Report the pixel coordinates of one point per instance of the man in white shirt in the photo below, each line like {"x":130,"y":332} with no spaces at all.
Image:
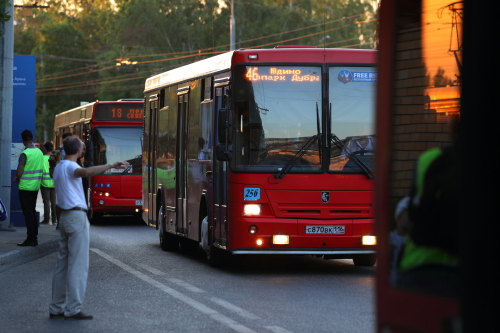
{"x":70,"y":275}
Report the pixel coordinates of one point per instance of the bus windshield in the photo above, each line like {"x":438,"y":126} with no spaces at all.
{"x":113,"y":144}
{"x":352,"y":119}
{"x":277,"y":109}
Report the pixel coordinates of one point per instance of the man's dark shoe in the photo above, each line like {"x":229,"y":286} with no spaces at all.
{"x":27,"y":243}
{"x":57,"y":316}
{"x":79,"y":316}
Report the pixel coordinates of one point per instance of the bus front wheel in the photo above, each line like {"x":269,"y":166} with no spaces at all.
{"x":215,"y":256}
{"x":365,"y":259}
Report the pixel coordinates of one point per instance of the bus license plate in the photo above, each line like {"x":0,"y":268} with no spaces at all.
{"x":138,"y":202}
{"x":325,"y":229}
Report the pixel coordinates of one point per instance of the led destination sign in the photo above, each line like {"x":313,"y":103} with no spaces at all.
{"x":280,"y":74}
{"x":119,"y":112}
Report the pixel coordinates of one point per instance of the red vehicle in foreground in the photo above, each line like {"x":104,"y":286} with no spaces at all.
{"x":112,"y":131}
{"x":265,"y":151}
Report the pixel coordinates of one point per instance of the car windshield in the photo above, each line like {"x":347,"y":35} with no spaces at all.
{"x":352,"y":119}
{"x":113,"y":144}
{"x":277,"y":109}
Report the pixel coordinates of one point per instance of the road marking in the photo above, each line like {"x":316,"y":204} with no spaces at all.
{"x":151,"y":269}
{"x":277,"y":329}
{"x":234,"y":308}
{"x":180,"y":296}
{"x":186,"y":285}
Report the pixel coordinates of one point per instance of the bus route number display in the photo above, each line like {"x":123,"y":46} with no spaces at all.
{"x":119,"y":112}
{"x":251,"y":193}
{"x":280,"y":74}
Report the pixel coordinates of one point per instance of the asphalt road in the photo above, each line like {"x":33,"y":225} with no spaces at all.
{"x":134,"y":286}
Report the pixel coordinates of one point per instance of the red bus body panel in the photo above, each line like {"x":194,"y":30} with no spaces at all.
{"x":289,"y":204}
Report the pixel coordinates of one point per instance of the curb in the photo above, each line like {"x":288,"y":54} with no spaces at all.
{"x":24,"y":254}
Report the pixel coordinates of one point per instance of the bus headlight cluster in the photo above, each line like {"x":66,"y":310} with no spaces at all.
{"x":369,"y":240}
{"x":251,"y":209}
{"x":281,"y":239}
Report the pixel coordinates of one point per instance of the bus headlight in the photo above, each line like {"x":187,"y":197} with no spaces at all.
{"x":251,"y":209}
{"x":101,"y":202}
{"x":281,"y":239}
{"x":259,"y":242}
{"x":369,"y":240}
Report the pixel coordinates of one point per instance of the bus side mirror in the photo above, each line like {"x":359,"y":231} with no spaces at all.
{"x":225,"y":135}
{"x":89,"y":154}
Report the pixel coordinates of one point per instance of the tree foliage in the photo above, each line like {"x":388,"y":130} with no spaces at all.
{"x":4,"y":17}
{"x":94,"y":49}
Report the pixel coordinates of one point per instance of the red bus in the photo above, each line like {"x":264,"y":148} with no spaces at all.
{"x":266,"y":151}
{"x":112,"y":131}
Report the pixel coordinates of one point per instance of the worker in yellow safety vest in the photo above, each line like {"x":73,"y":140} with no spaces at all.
{"x":29,"y":176}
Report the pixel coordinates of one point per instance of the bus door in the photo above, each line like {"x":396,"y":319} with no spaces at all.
{"x":151,"y":160}
{"x":181,"y":162}
{"x":219,"y":209}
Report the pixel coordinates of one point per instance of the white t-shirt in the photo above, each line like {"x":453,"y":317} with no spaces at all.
{"x":69,"y":189}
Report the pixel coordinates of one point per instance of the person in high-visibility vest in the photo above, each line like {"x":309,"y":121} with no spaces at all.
{"x":47,"y":188}
{"x":29,"y":176}
{"x":430,"y":260}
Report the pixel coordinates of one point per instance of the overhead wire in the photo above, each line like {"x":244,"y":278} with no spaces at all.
{"x":225,"y":45}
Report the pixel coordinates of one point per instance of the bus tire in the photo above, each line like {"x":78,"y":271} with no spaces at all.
{"x":168,"y":241}
{"x":94,"y":218}
{"x":216,"y":257}
{"x":364,"y":259}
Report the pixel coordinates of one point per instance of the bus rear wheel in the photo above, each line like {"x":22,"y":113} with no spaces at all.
{"x":168,"y":241}
{"x":364,"y":259}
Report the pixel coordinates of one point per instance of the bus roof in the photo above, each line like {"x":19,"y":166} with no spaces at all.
{"x":284,"y":54}
{"x":81,"y":113}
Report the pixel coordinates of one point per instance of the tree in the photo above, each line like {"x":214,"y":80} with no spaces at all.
{"x":78,"y":43}
{"x":4,"y":17}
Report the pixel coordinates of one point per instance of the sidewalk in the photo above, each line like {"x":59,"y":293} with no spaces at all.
{"x":48,"y":238}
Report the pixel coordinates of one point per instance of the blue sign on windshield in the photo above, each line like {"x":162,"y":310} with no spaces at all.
{"x":346,"y":76}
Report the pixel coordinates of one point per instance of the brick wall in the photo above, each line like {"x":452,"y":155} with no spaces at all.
{"x":416,"y":127}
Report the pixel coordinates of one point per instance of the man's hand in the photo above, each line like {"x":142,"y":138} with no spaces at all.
{"x":120,"y":165}
{"x":15,"y":180}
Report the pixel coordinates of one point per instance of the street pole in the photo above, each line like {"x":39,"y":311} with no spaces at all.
{"x":232,"y":28}
{"x":6,"y":92}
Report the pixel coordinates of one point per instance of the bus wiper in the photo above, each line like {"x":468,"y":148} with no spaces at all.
{"x":130,"y":165}
{"x":127,"y":169}
{"x":289,"y":165}
{"x":335,"y":140}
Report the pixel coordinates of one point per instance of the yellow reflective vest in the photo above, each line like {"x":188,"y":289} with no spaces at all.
{"x":31,"y":178}
{"x":47,"y":181}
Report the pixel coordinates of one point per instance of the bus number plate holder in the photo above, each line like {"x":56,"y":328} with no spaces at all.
{"x":138,"y":202}
{"x":325,"y":229}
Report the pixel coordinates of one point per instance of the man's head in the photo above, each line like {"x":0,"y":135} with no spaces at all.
{"x":66,"y":134}
{"x":71,"y":145}
{"x":27,"y":136}
{"x":48,"y":146}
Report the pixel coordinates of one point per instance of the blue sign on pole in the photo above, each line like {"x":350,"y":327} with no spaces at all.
{"x":23,"y":117}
